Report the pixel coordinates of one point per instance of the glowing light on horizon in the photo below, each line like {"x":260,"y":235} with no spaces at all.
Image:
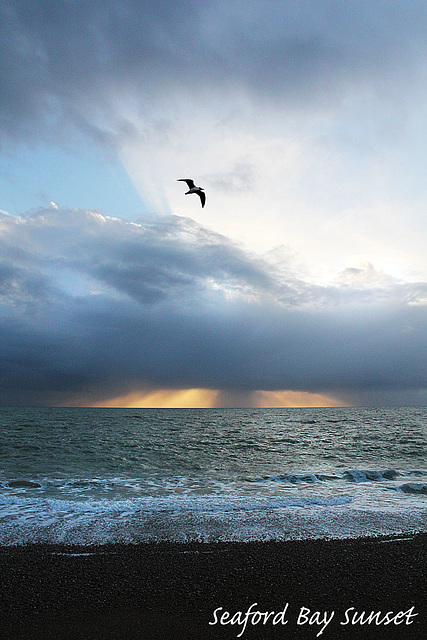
{"x":163,"y":399}
{"x":277,"y":399}
{"x":210,"y":398}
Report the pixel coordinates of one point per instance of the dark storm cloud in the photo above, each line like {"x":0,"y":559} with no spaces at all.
{"x":74,"y":64}
{"x":95,"y":307}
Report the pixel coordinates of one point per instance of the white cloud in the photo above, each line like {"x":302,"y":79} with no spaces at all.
{"x":307,"y":111}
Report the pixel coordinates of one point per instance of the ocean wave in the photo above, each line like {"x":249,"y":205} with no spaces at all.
{"x":20,"y":484}
{"x":293,"y":478}
{"x":358,"y":475}
{"x":157,"y":485}
{"x":349,"y":475}
{"x":414,"y":488}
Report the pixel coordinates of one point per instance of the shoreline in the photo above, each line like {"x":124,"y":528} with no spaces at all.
{"x":165,"y":590}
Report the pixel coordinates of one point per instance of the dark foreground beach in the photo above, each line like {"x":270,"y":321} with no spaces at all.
{"x":304,"y":589}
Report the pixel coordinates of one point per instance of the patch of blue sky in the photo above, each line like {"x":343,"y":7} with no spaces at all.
{"x":34,"y":177}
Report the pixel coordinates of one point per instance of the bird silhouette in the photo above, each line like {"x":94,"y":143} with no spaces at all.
{"x":193,"y":189}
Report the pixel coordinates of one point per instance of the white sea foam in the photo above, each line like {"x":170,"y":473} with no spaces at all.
{"x":204,"y":518}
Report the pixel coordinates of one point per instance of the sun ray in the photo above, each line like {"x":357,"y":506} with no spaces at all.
{"x":209,"y":398}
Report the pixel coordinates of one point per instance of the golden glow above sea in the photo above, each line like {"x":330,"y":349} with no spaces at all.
{"x":209,"y":398}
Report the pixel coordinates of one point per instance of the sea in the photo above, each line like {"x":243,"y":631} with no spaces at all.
{"x":97,"y":476}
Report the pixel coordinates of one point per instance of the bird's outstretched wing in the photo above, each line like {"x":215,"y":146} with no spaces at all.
{"x":189,"y":182}
{"x":202,"y":197}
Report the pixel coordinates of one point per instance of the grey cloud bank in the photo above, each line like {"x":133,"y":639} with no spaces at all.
{"x":74,"y":65}
{"x":97,"y":307}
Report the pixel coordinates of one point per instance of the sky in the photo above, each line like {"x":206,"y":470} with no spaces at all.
{"x":302,"y":282}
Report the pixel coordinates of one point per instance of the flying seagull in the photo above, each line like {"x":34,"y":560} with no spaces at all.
{"x":193,"y":189}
